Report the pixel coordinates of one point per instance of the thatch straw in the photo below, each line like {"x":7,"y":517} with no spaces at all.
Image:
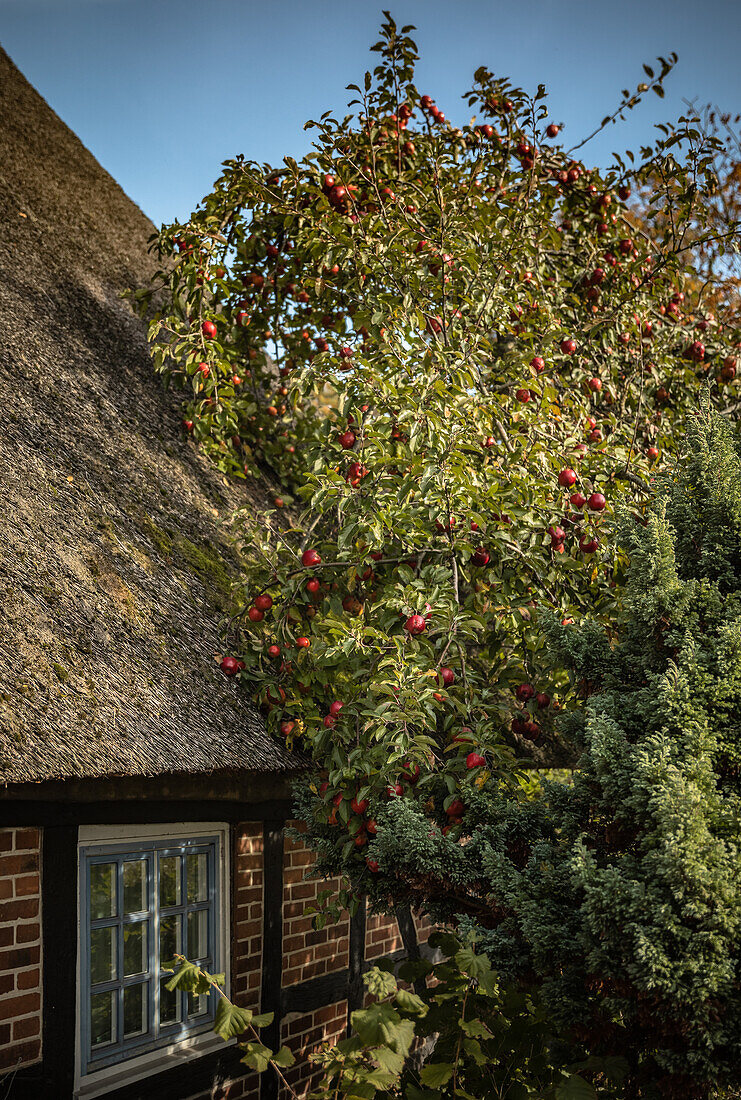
{"x":113,"y":568}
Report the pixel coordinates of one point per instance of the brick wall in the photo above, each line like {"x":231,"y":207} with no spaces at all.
{"x":20,"y":948}
{"x":423,"y":927}
{"x":246,"y":1088}
{"x":303,"y":1034}
{"x":382,"y":936}
{"x":247,"y":915}
{"x":306,"y":953}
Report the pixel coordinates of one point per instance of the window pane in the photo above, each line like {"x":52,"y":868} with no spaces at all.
{"x":197,"y":870}
{"x":197,"y":1005}
{"x":102,"y":955}
{"x":135,"y":1009}
{"x":135,"y":886}
{"x":169,"y":1003}
{"x":171,"y":941}
{"x":103,"y":1019}
{"x":169,"y":880}
{"x":198,"y":934}
{"x":102,"y":890}
{"x":135,"y":948}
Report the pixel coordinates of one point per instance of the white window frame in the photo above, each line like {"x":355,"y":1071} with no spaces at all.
{"x":102,"y":1081}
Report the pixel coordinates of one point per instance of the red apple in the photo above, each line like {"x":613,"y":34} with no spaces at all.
{"x":359,"y":807}
{"x":524,"y":692}
{"x":335,"y":708}
{"x":480,"y":557}
{"x":596,"y":502}
{"x":568,"y":346}
{"x":558,"y":535}
{"x":552,"y":130}
{"x":567,"y":478}
{"x":588,"y":544}
{"x":372,"y":865}
{"x":577,"y":500}
{"x":208,"y":328}
{"x":475,"y":760}
{"x":273,"y":651}
{"x":255,"y":615}
{"x":446,"y":676}
{"x":303,"y":642}
{"x":347,"y":440}
{"x":595,"y":385}
{"x":416,"y":624}
{"x":310,"y":557}
{"x":263,"y":602}
{"x":230,"y":666}
{"x":538,"y":364}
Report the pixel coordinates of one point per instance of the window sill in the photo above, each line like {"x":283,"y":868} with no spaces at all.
{"x":104,"y":1081}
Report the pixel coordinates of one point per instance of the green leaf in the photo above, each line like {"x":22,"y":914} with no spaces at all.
{"x":411,"y":1092}
{"x":230,"y":1019}
{"x":283,"y":1058}
{"x":257,"y":1056}
{"x":410,"y":1002}
{"x":436,"y":1074}
{"x":575,"y":1088}
{"x":263,"y":1020}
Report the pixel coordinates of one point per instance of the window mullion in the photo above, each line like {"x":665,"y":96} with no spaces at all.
{"x":119,"y":952}
{"x":156,"y":961}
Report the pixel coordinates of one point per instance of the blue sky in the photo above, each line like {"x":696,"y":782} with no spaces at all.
{"x":162,"y":91}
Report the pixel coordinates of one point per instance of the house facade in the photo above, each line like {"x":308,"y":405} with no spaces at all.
{"x":143,"y":806}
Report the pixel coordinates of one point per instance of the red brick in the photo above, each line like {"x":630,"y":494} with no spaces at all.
{"x":18,"y":910}
{"x":19,"y":1006}
{"x":28,"y":932}
{"x":26,"y":839}
{"x":248,"y":928}
{"x":7,"y":983}
{"x":29,"y":979}
{"x":27,"y":1028}
{"x":248,"y":895}
{"x":19,"y":957}
{"x":26,"y":885}
{"x":18,"y":864}
{"x":6,"y":888}
{"x":21,"y":1054}
{"x":6,"y":840}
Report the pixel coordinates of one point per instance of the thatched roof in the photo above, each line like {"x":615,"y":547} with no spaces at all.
{"x":114,"y":569}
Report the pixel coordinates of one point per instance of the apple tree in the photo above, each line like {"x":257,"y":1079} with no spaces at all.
{"x":455,"y":352}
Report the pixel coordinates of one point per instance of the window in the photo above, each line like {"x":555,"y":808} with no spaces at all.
{"x":142,"y":901}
